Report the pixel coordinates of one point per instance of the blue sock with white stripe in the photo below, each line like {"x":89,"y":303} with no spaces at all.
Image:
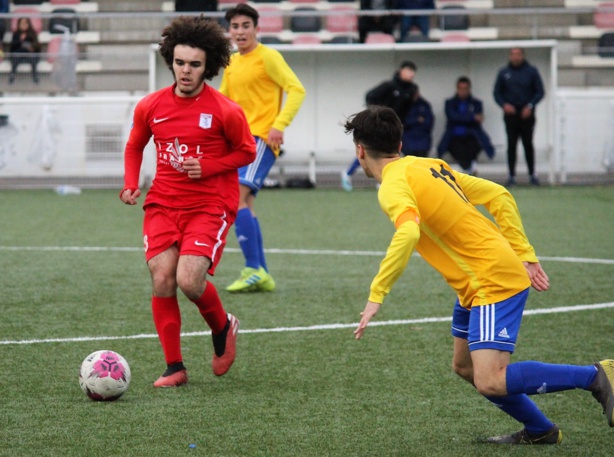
{"x":522,"y":408}
{"x":260,"y":245}
{"x":539,"y":378}
{"x":247,"y":236}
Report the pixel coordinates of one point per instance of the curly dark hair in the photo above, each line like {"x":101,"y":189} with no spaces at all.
{"x":197,"y":32}
{"x":378,"y":129}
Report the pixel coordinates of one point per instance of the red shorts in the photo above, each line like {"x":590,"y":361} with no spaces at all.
{"x":199,"y":232}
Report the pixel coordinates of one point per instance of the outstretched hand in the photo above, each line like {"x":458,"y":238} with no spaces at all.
{"x":370,"y":310}
{"x":539,"y":278}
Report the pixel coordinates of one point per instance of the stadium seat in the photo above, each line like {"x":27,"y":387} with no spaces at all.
{"x":455,"y":37}
{"x":342,"y":23}
{"x":71,"y":22}
{"x":415,"y":38}
{"x":64,"y":2}
{"x":603,"y":19}
{"x":304,"y":1}
{"x":270,"y":39}
{"x":53,"y":49}
{"x":379,"y":38}
{"x":605,"y":46}
{"x":454,"y":21}
{"x":269,"y":22}
{"x":344,"y":39}
{"x":306,"y":39}
{"x":305,"y":23}
{"x":32,"y":13}
{"x":232,"y":2}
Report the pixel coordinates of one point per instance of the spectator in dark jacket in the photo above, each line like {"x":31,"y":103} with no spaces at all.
{"x":418,"y":127}
{"x":410,"y":23}
{"x":25,"y":48}
{"x":464,"y":136}
{"x":518,"y":89}
{"x":374,"y":23}
{"x":398,"y":94}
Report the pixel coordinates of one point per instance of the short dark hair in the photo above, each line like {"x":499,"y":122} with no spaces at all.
{"x":242,"y":9}
{"x":410,"y":64}
{"x":197,"y":32}
{"x":378,"y":129}
{"x":464,"y":79}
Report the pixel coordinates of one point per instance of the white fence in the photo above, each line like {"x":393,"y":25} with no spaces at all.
{"x":44,"y":140}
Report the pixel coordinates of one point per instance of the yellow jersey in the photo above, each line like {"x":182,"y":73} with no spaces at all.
{"x":433,"y":209}
{"x":257,"y":81}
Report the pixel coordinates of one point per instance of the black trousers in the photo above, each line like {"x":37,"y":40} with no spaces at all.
{"x":32,"y":60}
{"x":517,"y":127}
{"x":464,"y":149}
{"x":368,"y":24}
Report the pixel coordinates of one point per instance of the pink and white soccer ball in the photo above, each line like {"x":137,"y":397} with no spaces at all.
{"x":104,"y":375}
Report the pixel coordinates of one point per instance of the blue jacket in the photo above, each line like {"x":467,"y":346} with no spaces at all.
{"x":416,"y":134}
{"x":465,"y":120}
{"x":416,"y":4}
{"x":519,"y":86}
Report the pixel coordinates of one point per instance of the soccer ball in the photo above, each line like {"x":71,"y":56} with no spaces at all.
{"x":104,"y":376}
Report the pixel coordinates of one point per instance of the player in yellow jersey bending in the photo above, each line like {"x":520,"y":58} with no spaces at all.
{"x":490,"y":267}
{"x":256,"y":79}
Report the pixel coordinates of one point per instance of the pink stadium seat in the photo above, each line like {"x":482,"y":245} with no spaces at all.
{"x":307,"y":39}
{"x":457,"y":37}
{"x":379,"y":37}
{"x":270,"y":23}
{"x":53,"y":48}
{"x":604,"y":19}
{"x":342,"y":23}
{"x":64,"y":2}
{"x":32,"y":13}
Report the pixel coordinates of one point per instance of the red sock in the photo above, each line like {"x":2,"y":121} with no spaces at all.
{"x":167,"y":319}
{"x":211,"y":308}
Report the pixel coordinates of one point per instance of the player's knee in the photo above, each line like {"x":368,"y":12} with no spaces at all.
{"x":489,"y":386}
{"x":192,"y":287}
{"x":164,"y":285}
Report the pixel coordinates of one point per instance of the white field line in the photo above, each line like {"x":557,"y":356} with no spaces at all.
{"x":426,"y":320}
{"x":270,"y":251}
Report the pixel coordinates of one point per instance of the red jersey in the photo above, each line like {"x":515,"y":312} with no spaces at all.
{"x":209,"y":127}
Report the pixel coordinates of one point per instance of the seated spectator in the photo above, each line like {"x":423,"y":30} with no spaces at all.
{"x":418,"y":127}
{"x":24,"y":48}
{"x":464,"y":136}
{"x":413,"y":24}
{"x":383,"y":24}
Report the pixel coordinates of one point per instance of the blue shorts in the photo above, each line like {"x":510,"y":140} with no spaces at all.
{"x":253,"y":175}
{"x":493,"y":326}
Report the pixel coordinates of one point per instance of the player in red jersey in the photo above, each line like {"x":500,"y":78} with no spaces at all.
{"x":201,"y":140}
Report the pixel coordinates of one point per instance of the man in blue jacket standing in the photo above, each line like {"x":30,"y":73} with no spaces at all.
{"x":464,"y":136}
{"x":518,"y":89}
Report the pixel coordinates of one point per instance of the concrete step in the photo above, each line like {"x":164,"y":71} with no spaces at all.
{"x":120,"y":57}
{"x":130,"y":5}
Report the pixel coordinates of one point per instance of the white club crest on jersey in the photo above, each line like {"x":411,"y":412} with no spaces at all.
{"x":205,"y":121}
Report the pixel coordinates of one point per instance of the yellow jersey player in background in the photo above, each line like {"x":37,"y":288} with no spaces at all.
{"x":256,"y":79}
{"x":489,"y":266}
